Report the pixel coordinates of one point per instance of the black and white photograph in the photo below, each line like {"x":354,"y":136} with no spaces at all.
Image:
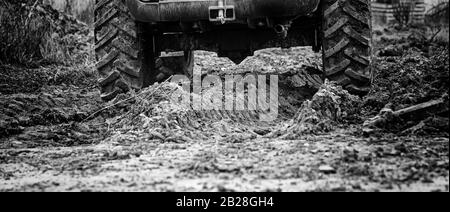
{"x":212,"y":96}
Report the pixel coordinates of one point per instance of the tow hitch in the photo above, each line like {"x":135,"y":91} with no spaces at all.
{"x":222,"y":12}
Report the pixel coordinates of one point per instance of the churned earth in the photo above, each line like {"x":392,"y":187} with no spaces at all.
{"x":57,"y":135}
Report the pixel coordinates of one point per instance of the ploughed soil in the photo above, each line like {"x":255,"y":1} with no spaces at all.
{"x":57,"y":135}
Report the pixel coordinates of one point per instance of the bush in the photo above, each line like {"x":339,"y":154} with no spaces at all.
{"x":32,"y":33}
{"x":20,"y":33}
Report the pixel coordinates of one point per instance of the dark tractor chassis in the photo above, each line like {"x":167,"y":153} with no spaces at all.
{"x":238,"y":41}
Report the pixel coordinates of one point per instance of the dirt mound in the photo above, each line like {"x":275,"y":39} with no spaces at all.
{"x":298,"y":69}
{"x":52,"y":117}
{"x":328,"y":108}
{"x":418,"y":74}
{"x":153,"y":112}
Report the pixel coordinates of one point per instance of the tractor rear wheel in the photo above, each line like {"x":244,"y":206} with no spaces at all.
{"x":124,"y":52}
{"x":347,"y":44}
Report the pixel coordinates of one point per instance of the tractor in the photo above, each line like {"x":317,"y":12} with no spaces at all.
{"x":141,"y":42}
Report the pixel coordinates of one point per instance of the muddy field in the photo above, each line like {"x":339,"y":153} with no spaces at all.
{"x":57,"y":135}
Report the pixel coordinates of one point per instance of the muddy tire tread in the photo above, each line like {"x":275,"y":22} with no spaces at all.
{"x":347,"y":45}
{"x":117,"y":49}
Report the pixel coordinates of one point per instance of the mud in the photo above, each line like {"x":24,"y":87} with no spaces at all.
{"x":417,"y":74}
{"x":57,"y":135}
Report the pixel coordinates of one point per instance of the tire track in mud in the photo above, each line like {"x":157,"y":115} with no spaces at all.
{"x":154,"y":151}
{"x":50,"y":118}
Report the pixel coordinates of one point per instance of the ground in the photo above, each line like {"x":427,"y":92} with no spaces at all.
{"x":57,"y":135}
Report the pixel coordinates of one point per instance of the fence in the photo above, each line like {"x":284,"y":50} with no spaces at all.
{"x":383,"y":13}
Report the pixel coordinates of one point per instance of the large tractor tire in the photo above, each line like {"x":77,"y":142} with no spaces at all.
{"x":124,"y":52}
{"x":347,"y":44}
